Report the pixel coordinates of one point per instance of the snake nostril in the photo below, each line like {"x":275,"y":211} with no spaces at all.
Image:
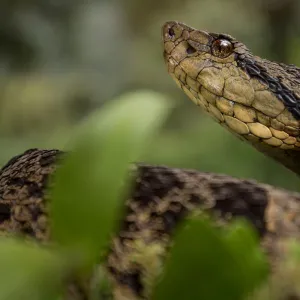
{"x":171,"y":32}
{"x":190,"y":50}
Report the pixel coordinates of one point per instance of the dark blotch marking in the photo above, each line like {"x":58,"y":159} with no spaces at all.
{"x":28,"y":230}
{"x":295,"y":111}
{"x":18,"y":181}
{"x":35,"y":190}
{"x":172,"y":218}
{"x":253,"y":70}
{"x":246,"y":200}
{"x":196,"y":199}
{"x":35,"y":212}
{"x":281,"y":91}
{"x":4,"y":212}
{"x":48,"y":159}
{"x":152,"y":184}
{"x":131,"y":280}
{"x":289,"y":99}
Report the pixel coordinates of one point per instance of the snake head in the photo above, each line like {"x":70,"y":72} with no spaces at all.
{"x":256,"y":99}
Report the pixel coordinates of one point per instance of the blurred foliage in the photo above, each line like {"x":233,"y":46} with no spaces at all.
{"x":121,"y":130}
{"x":204,"y":262}
{"x":84,"y":216}
{"x":216,"y":265}
{"x":60,"y":60}
{"x":30,"y":272}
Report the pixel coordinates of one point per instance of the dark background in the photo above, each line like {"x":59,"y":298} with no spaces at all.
{"x":61,"y":59}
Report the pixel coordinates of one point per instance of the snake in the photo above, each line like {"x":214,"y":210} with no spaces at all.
{"x":255,"y":99}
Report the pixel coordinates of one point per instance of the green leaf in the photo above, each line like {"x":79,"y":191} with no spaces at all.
{"x":89,"y":187}
{"x":202,"y":265}
{"x":243,"y":243}
{"x":29,"y":271}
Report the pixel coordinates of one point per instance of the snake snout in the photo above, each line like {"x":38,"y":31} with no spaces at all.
{"x":168,"y":32}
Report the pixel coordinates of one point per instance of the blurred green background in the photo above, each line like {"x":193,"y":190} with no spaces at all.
{"x":62,"y":59}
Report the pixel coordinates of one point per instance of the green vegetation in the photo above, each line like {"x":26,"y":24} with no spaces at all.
{"x":61,"y":61}
{"x":205,"y":262}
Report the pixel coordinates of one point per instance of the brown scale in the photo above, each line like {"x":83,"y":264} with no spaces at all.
{"x":256,"y":99}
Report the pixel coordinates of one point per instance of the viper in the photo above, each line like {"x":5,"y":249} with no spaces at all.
{"x":255,"y":99}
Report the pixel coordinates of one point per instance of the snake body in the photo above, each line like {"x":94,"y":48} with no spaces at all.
{"x":255,"y":99}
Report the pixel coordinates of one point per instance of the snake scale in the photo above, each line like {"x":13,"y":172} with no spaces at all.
{"x":254,"y":98}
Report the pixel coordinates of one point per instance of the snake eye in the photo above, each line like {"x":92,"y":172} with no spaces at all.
{"x":222,"y":48}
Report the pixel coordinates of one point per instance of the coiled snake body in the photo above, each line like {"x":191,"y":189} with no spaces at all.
{"x":256,"y":99}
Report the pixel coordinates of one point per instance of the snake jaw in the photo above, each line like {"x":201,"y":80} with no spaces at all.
{"x":254,"y":98}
